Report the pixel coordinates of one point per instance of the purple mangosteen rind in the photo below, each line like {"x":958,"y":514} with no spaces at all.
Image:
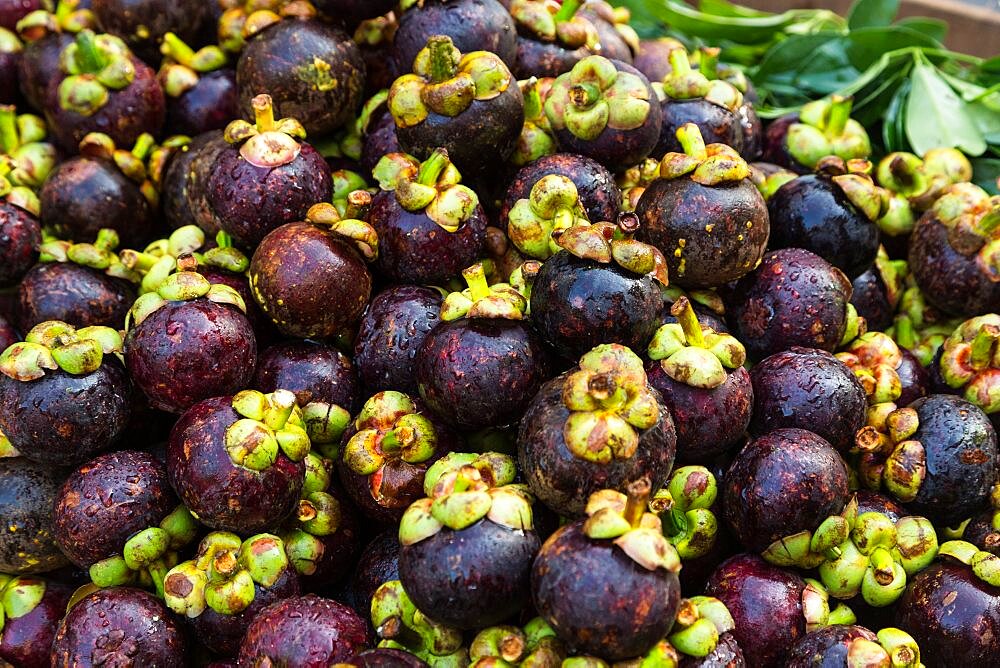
{"x":22,"y":234}
{"x":598,"y":193}
{"x":551,"y":44}
{"x":145,"y":26}
{"x":27,"y":496}
{"x":32,"y":610}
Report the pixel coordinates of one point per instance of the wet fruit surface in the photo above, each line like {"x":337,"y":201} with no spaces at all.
{"x":27,"y":495}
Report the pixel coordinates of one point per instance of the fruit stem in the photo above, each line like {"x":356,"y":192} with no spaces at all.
{"x":981,"y":355}
{"x":223,"y":240}
{"x":905,"y":336}
{"x":840,"y":113}
{"x":584,"y":95}
{"x":442,"y":61}
{"x":567,"y":10}
{"x":532,"y":99}
{"x":9,"y":140}
{"x":690,"y":139}
{"x":679,"y":62}
{"x":475,"y":276}
{"x":175,"y":48}
{"x":358,"y":202}
{"x":390,"y":442}
{"x":431,"y":168}
{"x":263,"y":112}
{"x":990,"y":221}
{"x":90,"y":58}
{"x":143,"y":146}
{"x":394,"y":629}
{"x":709,"y":63}
{"x":688,"y":320}
{"x":674,"y":522}
{"x":638,"y":499}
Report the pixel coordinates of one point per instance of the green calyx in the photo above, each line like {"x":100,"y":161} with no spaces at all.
{"x":67,"y":18}
{"x":55,"y":345}
{"x":95,"y":65}
{"x":902,"y":649}
{"x":767,"y":183}
{"x":634,"y":181}
{"x":553,"y":204}
{"x":349,"y":140}
{"x":481,"y":300}
{"x":594,"y":96}
{"x":825,"y":128}
{"x":224,"y":574}
{"x":400,"y":625}
{"x":890,"y":458}
{"x":922,"y":181}
{"x":132,"y":163}
{"x":351,"y":194}
{"x":446,"y":82}
{"x":319,"y":515}
{"x":609,"y":401}
{"x":182,"y":64}
{"x":970,"y":361}
{"x":461,"y":490}
{"x":614,"y":243}
{"x":19,"y":595}
{"x":898,"y":219}
{"x":710,"y":165}
{"x":972,"y":220}
{"x":534,"y":646}
{"x":684,"y":507}
{"x":267,"y":142}
{"x":269,"y":424}
{"x":325,"y":423}
{"x":853,"y":178}
{"x":701,"y":620}
{"x":99,"y":255}
{"x":181,"y":286}
{"x":985,"y":565}
{"x":694,"y":355}
{"x":685,"y":83}
{"x":551,"y":22}
{"x":162,"y":257}
{"x":356,"y":232}
{"x":433,"y":186}
{"x":536,"y":139}
{"x":242,"y":19}
{"x":625,"y":520}
{"x":816,"y":608}
{"x":874,"y":358}
{"x":22,"y":143}
{"x":389,"y":427}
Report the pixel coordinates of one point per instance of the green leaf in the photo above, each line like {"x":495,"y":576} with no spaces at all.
{"x":937,"y":117}
{"x":865,"y":46}
{"x":872,"y":13}
{"x":985,"y":172}
{"x":893,"y":135}
{"x":936,"y":29}
{"x":724,"y":8}
{"x":987,"y":120}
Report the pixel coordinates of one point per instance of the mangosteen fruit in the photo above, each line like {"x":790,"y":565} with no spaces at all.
{"x":848,"y":644}
{"x":45,"y":34}
{"x":596,"y":189}
{"x":551,"y":38}
{"x":820,"y":129}
{"x":20,"y":231}
{"x":32,"y":609}
{"x":535,"y":644}
{"x":400,"y":625}
{"x":201,"y":91}
{"x":145,"y":24}
{"x":183,"y":184}
{"x":877,"y":292}
{"x":27,"y":494}
{"x":537,"y":139}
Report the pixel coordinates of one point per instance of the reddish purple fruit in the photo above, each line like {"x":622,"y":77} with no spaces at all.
{"x":39,"y":605}
{"x":27,"y":495}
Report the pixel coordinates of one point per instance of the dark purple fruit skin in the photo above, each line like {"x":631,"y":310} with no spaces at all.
{"x":673,"y":209}
{"x":961,"y":450}
{"x":753,"y":131}
{"x":62,"y":419}
{"x":386,"y":658}
{"x":564,"y":482}
{"x":280,"y":61}
{"x":26,"y":640}
{"x":340,"y":549}
{"x":392,"y":329}
{"x":313,"y":371}
{"x":119,"y":626}
{"x":612,"y":44}
{"x":10,"y":65}
{"x":353,"y":12}
{"x":808,"y":389}
{"x":380,"y":139}
{"x":598,"y":600}
{"x":794,"y":298}
{"x":952,"y":614}
{"x":708,"y":422}
{"x":223,"y":633}
{"x":813,"y":213}
{"x":75,"y":294}
{"x":487,"y":579}
{"x":951,"y":281}
{"x":8,"y":335}
{"x":871,"y":302}
{"x":183,"y":187}
{"x":784,"y":482}
{"x":599,"y":195}
{"x":187,"y":351}
{"x":619,"y":149}
{"x":143,"y":23}
{"x":727,"y":654}
{"x":264,"y":330}
{"x":766,"y":604}
{"x":107,"y":500}
{"x":378,"y":564}
{"x":311,"y":282}
{"x":251,"y":201}
{"x":477,"y":373}
{"x":876,"y":502}
{"x":914,"y":378}
{"x":413,"y":249}
{"x":20,"y":236}
{"x":137,"y":108}
{"x":653,"y":58}
{"x":223,"y":495}
{"x":83,"y":195}
{"x":981,"y":532}
{"x":545,"y":59}
{"x":718,"y":125}
{"x":619,"y":307}
{"x":826,"y":647}
{"x":306,"y":632}
{"x":208,"y":105}
{"x":12,"y":11}
{"x":27,"y":493}
{"x":473,"y":25}
{"x":39,"y":66}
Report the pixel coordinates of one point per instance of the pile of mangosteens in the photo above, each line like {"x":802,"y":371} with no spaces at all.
{"x":468,"y":333}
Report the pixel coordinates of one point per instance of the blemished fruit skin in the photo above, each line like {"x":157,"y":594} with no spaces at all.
{"x":77,"y":295}
{"x":27,"y":495}
{"x":26,"y":640}
{"x":827,"y":646}
{"x":599,"y":195}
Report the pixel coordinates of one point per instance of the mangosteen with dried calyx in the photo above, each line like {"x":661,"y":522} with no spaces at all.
{"x":45,"y":34}
{"x":267,"y":178}
{"x":952,"y":608}
{"x":311,"y":277}
{"x":820,"y":129}
{"x":229,"y":581}
{"x":237,"y":461}
{"x":451,"y":96}
{"x":387,"y":450}
{"x":772,"y":608}
{"x":598,"y":426}
{"x":551,"y":38}
{"x":119,"y":626}
{"x":117,"y":518}
{"x":104,"y":88}
{"x":480,"y":366}
{"x":20,"y":230}
{"x":700,"y":377}
{"x":430,"y":226}
{"x":596,"y":189}
{"x":535,"y":644}
{"x":105,"y":187}
{"x":605,"y":110}
{"x":312,"y":69}
{"x":953,"y":252}
{"x":850,"y":645}
{"x":32,"y":609}
{"x":704,"y":213}
{"x":400,"y":625}
{"x":832,"y":213}
{"x":64,"y":395}
{"x":200,"y":88}
{"x":474,"y":519}
{"x":27,"y":496}
{"x":765,"y":306}
{"x":535,"y":222}
{"x":189,"y":340}
{"x":146,"y":24}
{"x":619,"y":561}
{"x":938,"y":456}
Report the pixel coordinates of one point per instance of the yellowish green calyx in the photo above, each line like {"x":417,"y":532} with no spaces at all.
{"x":707,"y":165}
{"x":553,"y":204}
{"x":825,"y":128}
{"x":389,"y":426}
{"x":433,"y":186}
{"x":970,"y":361}
{"x":625,"y":520}
{"x":609,"y":243}
{"x":267,"y":142}
{"x":481,"y":300}
{"x":553,"y":22}
{"x":400,"y":625}
{"x":54,"y":345}
{"x":874,"y":358}
{"x":700,"y":622}
{"x":270,"y":424}
{"x":95,"y":65}
{"x":181,"y":286}
{"x":692,"y":354}
{"x":685,"y":510}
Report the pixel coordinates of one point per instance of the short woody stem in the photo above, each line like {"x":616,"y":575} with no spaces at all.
{"x":567,"y":10}
{"x":981,"y":355}
{"x":688,"y":320}
{"x":638,"y":499}
{"x":690,"y":139}
{"x":840,"y":113}
{"x":442,"y":58}
{"x":431,"y":168}
{"x":263,"y":111}
{"x":584,"y":95}
{"x":709,"y":63}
